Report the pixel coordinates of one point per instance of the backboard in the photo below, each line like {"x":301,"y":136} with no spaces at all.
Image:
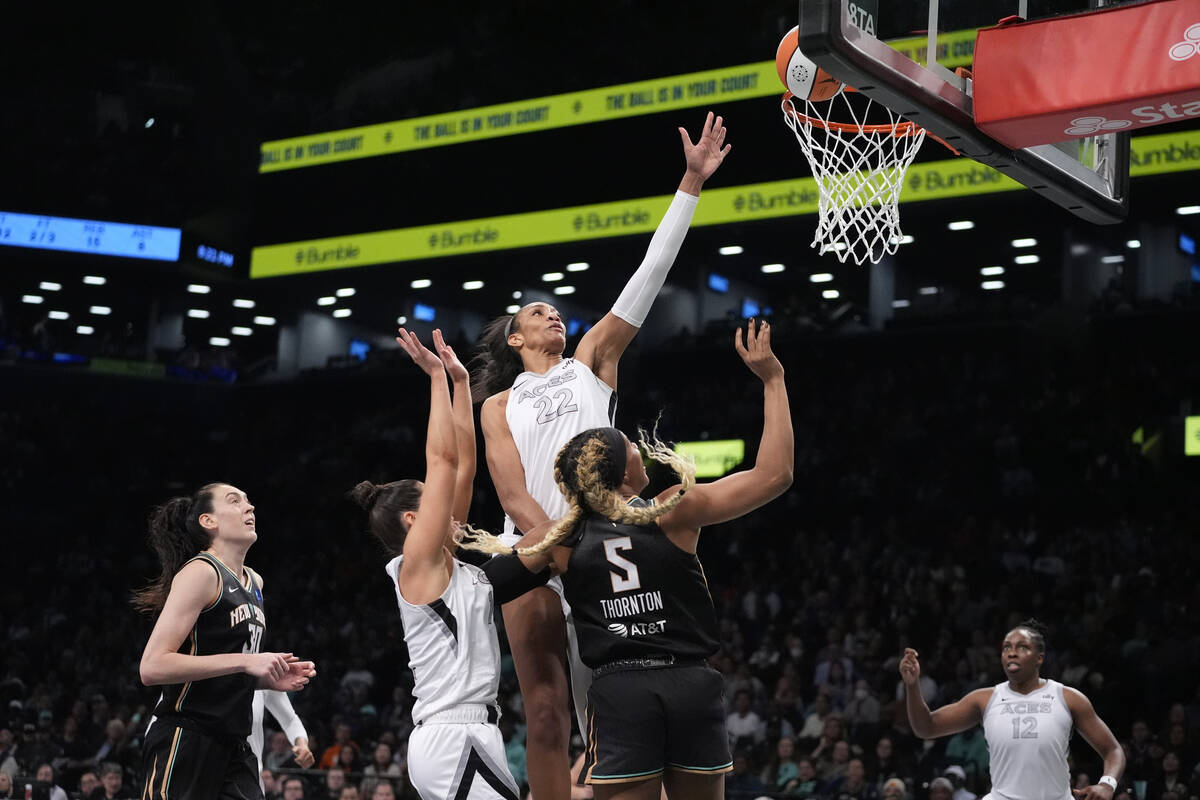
{"x":853,"y":42}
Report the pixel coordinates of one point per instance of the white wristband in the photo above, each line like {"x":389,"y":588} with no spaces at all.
{"x":639,"y":293}
{"x":1109,"y":781}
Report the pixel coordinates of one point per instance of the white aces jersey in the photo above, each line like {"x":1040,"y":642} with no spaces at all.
{"x":452,"y":647}
{"x":1027,"y":739}
{"x":544,"y":412}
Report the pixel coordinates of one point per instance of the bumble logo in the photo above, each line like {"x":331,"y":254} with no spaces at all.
{"x":1082,"y":126}
{"x":1190,"y":46}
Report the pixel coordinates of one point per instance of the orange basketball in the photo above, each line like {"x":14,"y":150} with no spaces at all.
{"x":801,"y":76}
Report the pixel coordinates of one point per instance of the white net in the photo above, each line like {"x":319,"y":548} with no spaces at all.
{"x":859,"y":169}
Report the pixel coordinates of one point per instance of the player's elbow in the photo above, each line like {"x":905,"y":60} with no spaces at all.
{"x":150,"y":672}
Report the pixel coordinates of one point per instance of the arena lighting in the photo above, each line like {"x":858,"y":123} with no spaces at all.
{"x":100,"y":311}
{"x":900,"y":304}
{"x":471,"y":286}
{"x":240,"y":303}
{"x":94,"y":280}
{"x":992,"y":285}
{"x":197,"y":313}
{"x":58,"y":315}
{"x":514,"y":308}
{"x":150,"y":122}
{"x":199,"y":288}
{"x":1024,"y":242}
{"x":731,"y":250}
{"x":927,"y":290}
{"x":770,"y":268}
{"x":831,"y":294}
{"x":564,"y":290}
{"x":218,"y":341}
{"x":341,"y":313}
{"x":421,"y":283}
{"x":578,"y":266}
{"x":1026,"y":260}
{"x":346,"y":292}
{"x":32,"y":299}
{"x":401,"y":320}
{"x":241,"y":330}
{"x":1185,"y":211}
{"x":820,"y":277}
{"x":992,"y":271}
{"x":907,"y":239}
{"x":264,"y":320}
{"x":1117,"y":259}
{"x":961,"y":225}
{"x":551,"y":277}
{"x":328,"y":300}
{"x":1133,"y":244}
{"x":516,"y":295}
{"x":86,"y":330}
{"x":49,"y":286}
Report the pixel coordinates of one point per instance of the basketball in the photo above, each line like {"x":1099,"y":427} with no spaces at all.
{"x":801,"y":76}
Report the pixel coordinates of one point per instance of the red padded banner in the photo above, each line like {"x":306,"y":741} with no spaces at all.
{"x":1120,"y":68}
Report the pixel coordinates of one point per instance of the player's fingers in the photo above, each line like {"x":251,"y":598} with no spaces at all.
{"x":737,"y":343}
{"x":708,"y":124}
{"x":687,"y":140}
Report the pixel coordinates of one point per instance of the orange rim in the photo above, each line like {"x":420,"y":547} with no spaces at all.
{"x":905,"y":128}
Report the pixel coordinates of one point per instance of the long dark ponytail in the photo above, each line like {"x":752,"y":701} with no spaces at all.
{"x":385,"y":505}
{"x":176,"y":537}
{"x":495,"y":364}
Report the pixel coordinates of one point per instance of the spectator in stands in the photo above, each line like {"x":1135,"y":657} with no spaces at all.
{"x":958,"y":779}
{"x":861,"y":713}
{"x":822,"y":672}
{"x":341,"y":741}
{"x":8,"y":753}
{"x":838,"y":685}
{"x":853,"y":785}
{"x":88,"y":783}
{"x":741,"y":780}
{"x":348,"y":759}
{"x":279,"y":754}
{"x":814,"y":724}
{"x":112,"y":783}
{"x":744,"y":727}
{"x":941,"y":789}
{"x":45,"y":774}
{"x":806,"y":783}
{"x":335,"y":781}
{"x":969,"y":750}
{"x":384,"y":791}
{"x":837,"y":762}
{"x":270,"y":783}
{"x":894,"y":789}
{"x":832,"y":732}
{"x":349,"y":793}
{"x":293,"y":788}
{"x":782,"y":768}
{"x":1170,"y":779}
{"x":6,"y":784}
{"x":382,"y":766}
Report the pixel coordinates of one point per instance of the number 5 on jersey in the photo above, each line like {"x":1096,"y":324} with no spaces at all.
{"x":628,"y":579}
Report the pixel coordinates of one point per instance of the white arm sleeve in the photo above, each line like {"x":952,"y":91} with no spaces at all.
{"x":637,"y":296}
{"x":281,"y":709}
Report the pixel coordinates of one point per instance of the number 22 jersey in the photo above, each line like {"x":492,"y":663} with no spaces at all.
{"x":543,"y":413}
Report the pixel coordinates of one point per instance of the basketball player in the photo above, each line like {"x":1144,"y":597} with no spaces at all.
{"x":204,"y":649}
{"x":536,"y":400}
{"x":645,"y":619}
{"x":456,"y":750}
{"x":1027,"y":721}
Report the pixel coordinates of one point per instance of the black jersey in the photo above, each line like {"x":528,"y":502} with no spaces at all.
{"x":634,"y":594}
{"x":234,"y":623}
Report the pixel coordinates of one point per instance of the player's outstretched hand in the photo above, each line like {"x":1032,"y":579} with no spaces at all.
{"x":420,"y":354}
{"x":267,"y":666}
{"x":757,"y":351}
{"x":297,"y":676}
{"x":910,"y":668}
{"x":445,"y":352}
{"x":706,"y":155}
{"x":304,"y":757}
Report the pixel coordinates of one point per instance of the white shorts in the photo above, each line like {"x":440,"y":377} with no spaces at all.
{"x":581,"y":674}
{"x":460,"y":760}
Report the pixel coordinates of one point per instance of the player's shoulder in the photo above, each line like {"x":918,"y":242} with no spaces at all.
{"x":498,"y":400}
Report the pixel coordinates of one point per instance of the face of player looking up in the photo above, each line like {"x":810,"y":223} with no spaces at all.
{"x":232,"y":515}
{"x":1020,"y":656}
{"x":539,"y":329}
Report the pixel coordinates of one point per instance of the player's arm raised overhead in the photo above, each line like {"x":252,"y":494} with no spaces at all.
{"x":424,"y":573}
{"x":771,"y":475}
{"x":464,"y":426}
{"x":602,"y":346}
{"x":949,"y":719}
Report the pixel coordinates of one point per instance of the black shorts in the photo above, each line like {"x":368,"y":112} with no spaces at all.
{"x":184,"y":763}
{"x":644,"y":721}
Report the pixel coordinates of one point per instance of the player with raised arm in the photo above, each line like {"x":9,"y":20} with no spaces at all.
{"x":204,"y":649}
{"x":643,"y":612}
{"x":534,"y":401}
{"x":1027,"y":721}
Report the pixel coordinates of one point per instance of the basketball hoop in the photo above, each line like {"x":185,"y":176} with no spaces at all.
{"x":859,"y":169}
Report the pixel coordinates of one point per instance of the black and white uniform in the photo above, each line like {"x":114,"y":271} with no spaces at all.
{"x":1027,"y":738}
{"x":544,"y":412}
{"x":456,"y":750}
{"x":196,"y":745}
{"x":646,"y":626}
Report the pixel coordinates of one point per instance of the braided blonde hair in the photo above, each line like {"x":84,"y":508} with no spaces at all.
{"x":588,"y":471}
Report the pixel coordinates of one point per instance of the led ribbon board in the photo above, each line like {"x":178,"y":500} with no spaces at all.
{"x":715,"y":457}
{"x":717,"y":86}
{"x":89,"y":236}
{"x":1191,"y":436}
{"x":935,"y":180}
